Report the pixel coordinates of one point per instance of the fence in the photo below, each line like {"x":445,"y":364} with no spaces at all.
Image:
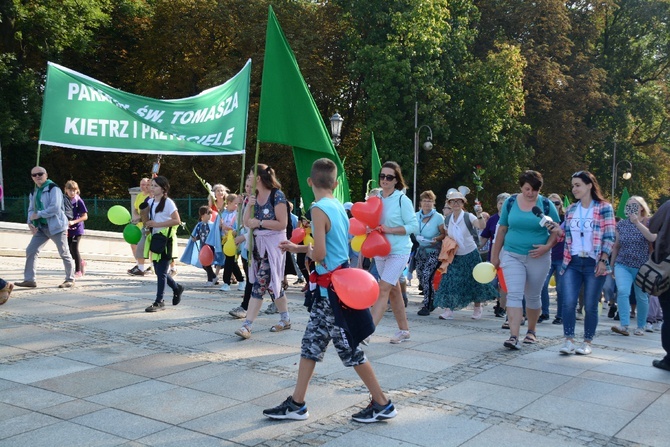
{"x":16,"y":209}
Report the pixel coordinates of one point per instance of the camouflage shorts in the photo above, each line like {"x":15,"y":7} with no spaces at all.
{"x":320,"y":330}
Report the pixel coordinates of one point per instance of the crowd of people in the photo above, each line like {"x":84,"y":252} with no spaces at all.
{"x":532,"y":241}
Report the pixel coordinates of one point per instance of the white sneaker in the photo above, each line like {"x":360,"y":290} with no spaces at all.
{"x":447,"y":315}
{"x":400,"y":337}
{"x":241,"y":285}
{"x":271,"y":309}
{"x":209,"y":283}
{"x":225,"y":287}
{"x":649,"y":328}
{"x":238,"y":312}
{"x":584,"y":349}
{"x":567,"y":348}
{"x":657,"y":325}
{"x":477,"y":313}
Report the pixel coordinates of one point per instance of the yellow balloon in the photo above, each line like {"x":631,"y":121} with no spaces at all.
{"x":552,"y":281}
{"x":309,"y":240}
{"x":484,"y":272}
{"x":357,"y":242}
{"x":229,"y":248}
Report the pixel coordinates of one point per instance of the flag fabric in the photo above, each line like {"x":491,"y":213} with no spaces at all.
{"x":288,"y":114}
{"x":80,"y":112}
{"x":566,"y":202}
{"x":375,"y":163}
{"x":621,"y":209}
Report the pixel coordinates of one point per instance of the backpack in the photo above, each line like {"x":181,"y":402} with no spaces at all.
{"x":545,"y":204}
{"x":289,"y":223}
{"x":66,"y":206}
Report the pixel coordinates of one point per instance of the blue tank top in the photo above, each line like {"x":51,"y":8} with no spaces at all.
{"x":337,"y":239}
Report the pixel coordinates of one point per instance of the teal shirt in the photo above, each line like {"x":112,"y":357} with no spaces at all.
{"x":337,"y":238}
{"x":399,"y":212}
{"x":428,"y":231}
{"x":523,"y":227}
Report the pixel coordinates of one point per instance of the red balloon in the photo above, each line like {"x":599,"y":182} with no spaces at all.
{"x":369,"y":212}
{"x":501,"y":280}
{"x":356,"y":288}
{"x":206,"y":256}
{"x":297,"y":235}
{"x":356,"y":227}
{"x":437,"y":278}
{"x":375,"y":244}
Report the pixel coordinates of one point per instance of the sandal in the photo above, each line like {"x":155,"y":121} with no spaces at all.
{"x":281,"y":326}
{"x":531,"y":338}
{"x":512,"y":342}
{"x":505,"y":325}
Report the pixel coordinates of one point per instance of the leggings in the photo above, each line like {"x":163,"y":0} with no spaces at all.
{"x":73,"y":244}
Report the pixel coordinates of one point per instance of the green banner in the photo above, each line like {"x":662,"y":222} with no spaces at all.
{"x":80,"y":112}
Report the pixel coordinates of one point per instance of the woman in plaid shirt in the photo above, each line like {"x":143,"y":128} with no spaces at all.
{"x":589,"y":239}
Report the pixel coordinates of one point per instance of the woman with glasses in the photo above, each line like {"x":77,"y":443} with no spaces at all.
{"x":631,"y":250}
{"x":458,"y":287}
{"x":589,"y":239}
{"x":429,"y":238}
{"x":397,"y":223}
{"x":522,"y":248}
{"x":556,"y":261}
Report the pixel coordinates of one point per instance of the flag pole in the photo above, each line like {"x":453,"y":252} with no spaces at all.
{"x":253,"y":191}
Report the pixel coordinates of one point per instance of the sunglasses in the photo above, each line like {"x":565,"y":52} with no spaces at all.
{"x":38,"y":174}
{"x":577,"y":174}
{"x":387,"y":177}
{"x":558,"y":203}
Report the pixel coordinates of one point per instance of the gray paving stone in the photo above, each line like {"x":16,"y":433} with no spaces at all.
{"x":120,"y":423}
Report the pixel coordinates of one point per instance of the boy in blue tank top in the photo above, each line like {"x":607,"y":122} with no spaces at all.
{"x":330,"y":227}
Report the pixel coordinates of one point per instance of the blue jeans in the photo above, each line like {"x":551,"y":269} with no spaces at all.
{"x":625,"y":278}
{"x":553,"y":270}
{"x":161,"y":270}
{"x":581,"y":271}
{"x":610,"y":290}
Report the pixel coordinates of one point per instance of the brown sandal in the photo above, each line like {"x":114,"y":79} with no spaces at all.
{"x":531,"y":338}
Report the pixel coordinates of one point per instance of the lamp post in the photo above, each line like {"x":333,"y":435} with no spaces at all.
{"x":335,"y":128}
{"x":626,"y":175}
{"x":427,"y":145}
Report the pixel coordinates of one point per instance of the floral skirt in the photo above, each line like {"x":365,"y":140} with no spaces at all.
{"x":458,"y":287}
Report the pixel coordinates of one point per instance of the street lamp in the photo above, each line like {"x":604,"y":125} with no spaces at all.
{"x":335,"y":128}
{"x":626,"y":175}
{"x":427,"y":145}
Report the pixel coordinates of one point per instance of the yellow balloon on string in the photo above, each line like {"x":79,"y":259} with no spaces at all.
{"x":229,"y":248}
{"x":357,"y":242}
{"x":309,"y":240}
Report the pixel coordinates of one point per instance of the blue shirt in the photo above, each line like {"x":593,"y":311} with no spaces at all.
{"x":429,"y":230}
{"x":398,"y":211}
{"x":523,"y":227}
{"x":337,"y":238}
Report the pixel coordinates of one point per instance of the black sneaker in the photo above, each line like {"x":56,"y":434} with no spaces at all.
{"x":499,"y":312}
{"x":135,"y":271}
{"x":557,"y":321}
{"x":176,"y":297}
{"x":375,"y":413}
{"x":147,"y":269}
{"x":616,"y":316}
{"x":543,"y":317}
{"x":612,"y":311}
{"x":288,"y":410}
{"x":424,"y":311}
{"x":155,"y":307}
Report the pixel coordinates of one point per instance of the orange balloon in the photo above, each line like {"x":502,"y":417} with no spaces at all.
{"x":375,"y":244}
{"x":356,"y":227}
{"x":297,"y":235}
{"x":501,"y":280}
{"x":206,"y":256}
{"x":356,"y":288}
{"x":369,"y":212}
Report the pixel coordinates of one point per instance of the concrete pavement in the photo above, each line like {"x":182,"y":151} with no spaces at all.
{"x":88,"y":367}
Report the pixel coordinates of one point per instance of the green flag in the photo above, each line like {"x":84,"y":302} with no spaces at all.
{"x":288,"y":114}
{"x":82,"y":113}
{"x":375,"y":164}
{"x":621,"y":209}
{"x":566,"y":202}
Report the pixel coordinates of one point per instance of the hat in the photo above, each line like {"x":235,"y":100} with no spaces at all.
{"x":454,"y":194}
{"x":348,"y":205}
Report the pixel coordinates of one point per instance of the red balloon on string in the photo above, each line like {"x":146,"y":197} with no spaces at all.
{"x":356,"y":288}
{"x":437,"y":278}
{"x":356,"y":227}
{"x":375,"y":244}
{"x":501,"y":280}
{"x":369,"y":212}
{"x":297,"y":235}
{"x":206,"y":256}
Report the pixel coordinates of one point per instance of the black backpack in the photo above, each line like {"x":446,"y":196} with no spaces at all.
{"x":545,"y":204}
{"x":289,"y":223}
{"x":67,"y":203}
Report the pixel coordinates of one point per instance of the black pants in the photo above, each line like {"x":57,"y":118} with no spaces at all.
{"x":231,"y":267}
{"x":247,"y":288}
{"x":73,"y":244}
{"x":664,"y":299}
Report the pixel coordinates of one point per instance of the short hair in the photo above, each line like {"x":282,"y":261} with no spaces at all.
{"x":430,"y":195}
{"x":400,"y":184}
{"x":231,"y":198}
{"x":324,"y":173}
{"x":533,"y":178}
{"x":203,"y":210}
{"x":503,"y":196}
{"x":72,"y":186}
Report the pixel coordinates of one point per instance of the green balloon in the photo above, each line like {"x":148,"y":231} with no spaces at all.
{"x":132,"y":234}
{"x":118,"y":215}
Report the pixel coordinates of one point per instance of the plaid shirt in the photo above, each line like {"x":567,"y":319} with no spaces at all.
{"x":604,"y":227}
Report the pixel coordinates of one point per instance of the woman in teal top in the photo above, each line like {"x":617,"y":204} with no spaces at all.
{"x":523,"y":249}
{"x":429,"y":238}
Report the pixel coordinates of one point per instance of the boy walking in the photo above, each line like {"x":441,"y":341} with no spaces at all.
{"x":330,"y":226}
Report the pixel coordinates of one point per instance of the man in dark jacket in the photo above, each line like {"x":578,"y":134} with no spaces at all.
{"x":660,"y":225}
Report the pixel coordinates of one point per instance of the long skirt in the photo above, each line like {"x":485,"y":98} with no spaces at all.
{"x":458,"y":287}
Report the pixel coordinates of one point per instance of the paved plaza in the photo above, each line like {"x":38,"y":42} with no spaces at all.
{"x":88,"y":367}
